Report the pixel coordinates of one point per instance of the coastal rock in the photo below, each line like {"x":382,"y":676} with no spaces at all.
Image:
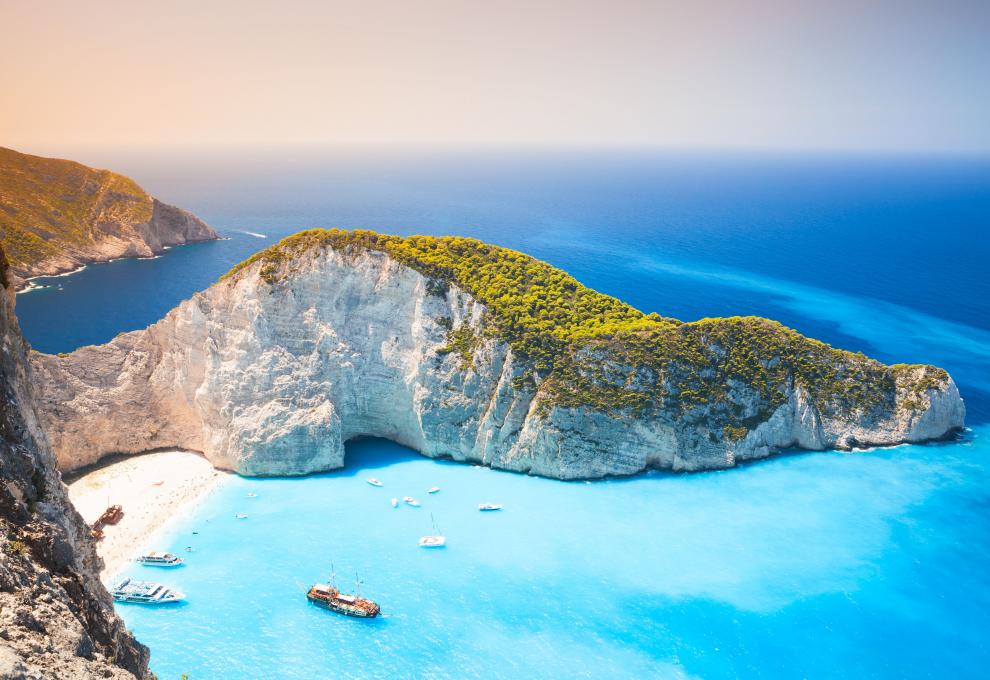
{"x":56,"y":618}
{"x":332,"y":337}
{"x":58,"y":215}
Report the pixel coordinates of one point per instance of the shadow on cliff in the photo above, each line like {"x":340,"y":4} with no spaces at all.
{"x":362,"y":454}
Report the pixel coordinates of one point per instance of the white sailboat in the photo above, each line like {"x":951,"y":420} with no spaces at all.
{"x":436,"y":540}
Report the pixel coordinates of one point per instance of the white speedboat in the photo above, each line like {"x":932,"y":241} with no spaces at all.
{"x":436,"y":540}
{"x":395,"y":502}
{"x":252,"y":494}
{"x":409,"y":500}
{"x":489,"y":507}
{"x":240,"y":516}
{"x":145,"y":592}
{"x":374,"y":482}
{"x":155,"y":558}
{"x":433,"y":489}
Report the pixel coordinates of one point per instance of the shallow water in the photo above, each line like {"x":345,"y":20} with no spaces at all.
{"x":813,"y":565}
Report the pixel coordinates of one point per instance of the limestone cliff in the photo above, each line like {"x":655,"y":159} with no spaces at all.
{"x":463,"y":350}
{"x":56,"y":618}
{"x":56,"y":215}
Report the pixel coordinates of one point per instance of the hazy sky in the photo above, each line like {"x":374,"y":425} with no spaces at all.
{"x":784,"y":73}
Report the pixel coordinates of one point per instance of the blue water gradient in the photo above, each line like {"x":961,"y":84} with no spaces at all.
{"x":871,"y":564}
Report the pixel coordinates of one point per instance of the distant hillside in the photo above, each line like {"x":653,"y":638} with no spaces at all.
{"x":56,"y":215}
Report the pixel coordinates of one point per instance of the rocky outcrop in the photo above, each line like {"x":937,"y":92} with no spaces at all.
{"x":271,"y":370}
{"x":57,"y":215}
{"x":56,"y":618}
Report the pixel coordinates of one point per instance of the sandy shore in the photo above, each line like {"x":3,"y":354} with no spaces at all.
{"x":153,"y":489}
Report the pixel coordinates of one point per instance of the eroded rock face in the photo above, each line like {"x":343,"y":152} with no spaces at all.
{"x":271,"y":377}
{"x":56,"y":618}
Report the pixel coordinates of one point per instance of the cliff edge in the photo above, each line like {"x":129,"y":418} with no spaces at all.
{"x":56,"y":215}
{"x":56,"y":618}
{"x":464,"y":350}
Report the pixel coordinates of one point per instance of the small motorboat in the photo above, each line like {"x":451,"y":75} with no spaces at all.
{"x":145,"y":592}
{"x":155,"y":558}
{"x":395,"y":502}
{"x":240,"y":516}
{"x":409,"y":500}
{"x":433,"y":489}
{"x":489,"y":507}
{"x":252,"y":494}
{"x":374,"y":482}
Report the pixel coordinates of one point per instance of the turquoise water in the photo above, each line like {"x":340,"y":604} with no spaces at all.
{"x":873,"y":564}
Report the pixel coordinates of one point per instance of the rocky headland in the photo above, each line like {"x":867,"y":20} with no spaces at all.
{"x":56,"y":618}
{"x":464,"y":350}
{"x":58,"y":215}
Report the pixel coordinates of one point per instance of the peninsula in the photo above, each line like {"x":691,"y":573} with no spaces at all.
{"x":464,"y":350}
{"x":58,"y":215}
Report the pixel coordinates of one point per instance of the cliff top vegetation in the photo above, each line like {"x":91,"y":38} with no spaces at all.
{"x":585,"y":348}
{"x":45,"y":202}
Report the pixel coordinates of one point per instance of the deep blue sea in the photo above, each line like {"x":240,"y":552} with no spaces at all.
{"x":820,"y":565}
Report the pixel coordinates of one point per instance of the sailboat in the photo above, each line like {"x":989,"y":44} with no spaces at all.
{"x":437,"y":540}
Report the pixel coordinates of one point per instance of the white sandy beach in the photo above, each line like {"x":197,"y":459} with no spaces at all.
{"x":153,"y":489}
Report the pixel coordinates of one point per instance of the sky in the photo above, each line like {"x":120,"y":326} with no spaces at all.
{"x":778,"y":74}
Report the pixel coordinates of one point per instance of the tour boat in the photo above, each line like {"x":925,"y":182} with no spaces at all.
{"x":395,"y":502}
{"x":328,"y":597}
{"x":241,"y":516}
{"x":374,"y":482}
{"x":437,"y":540}
{"x":159,"y":559}
{"x":145,"y":592}
{"x":433,"y":489}
{"x":489,"y":507}
{"x":409,"y":500}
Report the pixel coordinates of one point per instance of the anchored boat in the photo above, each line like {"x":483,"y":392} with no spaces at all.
{"x":145,"y":592}
{"x":326,"y":596}
{"x":437,"y":540}
{"x":409,"y":500}
{"x":374,"y":482}
{"x":489,"y":507}
{"x":154,"y":558}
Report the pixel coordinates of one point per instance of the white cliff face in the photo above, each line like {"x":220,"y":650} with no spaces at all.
{"x":273,"y":379}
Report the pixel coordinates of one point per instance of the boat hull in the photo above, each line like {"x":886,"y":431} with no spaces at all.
{"x":355,"y":613}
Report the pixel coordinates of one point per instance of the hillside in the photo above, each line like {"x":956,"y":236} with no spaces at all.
{"x":56,"y":215}
{"x":465,"y":350}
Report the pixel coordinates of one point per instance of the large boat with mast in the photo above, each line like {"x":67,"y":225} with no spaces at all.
{"x":326,"y":596}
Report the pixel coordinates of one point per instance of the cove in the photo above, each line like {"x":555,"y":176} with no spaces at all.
{"x":814,"y":565}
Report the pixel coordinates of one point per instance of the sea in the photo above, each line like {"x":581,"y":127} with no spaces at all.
{"x":870,"y":564}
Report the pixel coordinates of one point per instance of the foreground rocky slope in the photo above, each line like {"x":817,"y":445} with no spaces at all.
{"x":463,"y":350}
{"x":57,"y":215}
{"x":56,"y":618}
